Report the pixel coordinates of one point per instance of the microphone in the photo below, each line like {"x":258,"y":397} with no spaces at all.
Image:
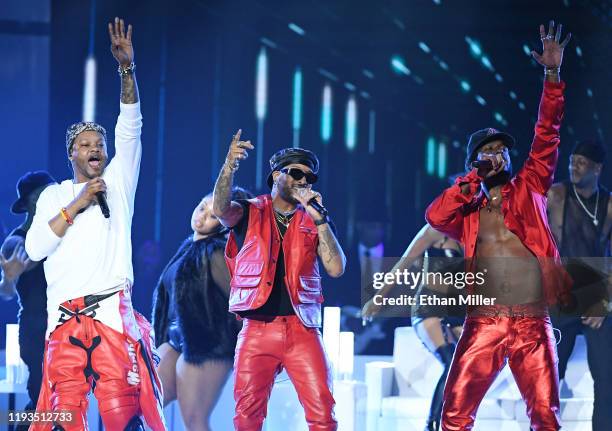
{"x":317,"y":206}
{"x":103,"y":204}
{"x":484,"y":163}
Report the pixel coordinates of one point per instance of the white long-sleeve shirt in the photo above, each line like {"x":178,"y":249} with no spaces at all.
{"x":95,"y":254}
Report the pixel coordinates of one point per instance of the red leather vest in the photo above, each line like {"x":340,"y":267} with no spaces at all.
{"x":252,"y":268}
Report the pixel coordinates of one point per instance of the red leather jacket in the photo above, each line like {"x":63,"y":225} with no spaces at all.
{"x":523,"y":204}
{"x":252,"y":268}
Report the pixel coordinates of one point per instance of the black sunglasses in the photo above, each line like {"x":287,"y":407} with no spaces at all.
{"x":297,"y":175}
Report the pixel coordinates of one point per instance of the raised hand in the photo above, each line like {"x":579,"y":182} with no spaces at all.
{"x":552,"y":49}
{"x":121,"y":42}
{"x":237,"y":151}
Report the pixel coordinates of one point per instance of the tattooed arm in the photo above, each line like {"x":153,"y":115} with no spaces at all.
{"x":123,"y":51}
{"x":229,"y":213}
{"x":330,"y":251}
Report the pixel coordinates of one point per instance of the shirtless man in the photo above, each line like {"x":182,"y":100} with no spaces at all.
{"x":580,"y":213}
{"x":495,"y":215}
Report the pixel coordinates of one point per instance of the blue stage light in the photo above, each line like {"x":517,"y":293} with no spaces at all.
{"x":431,"y":155}
{"x":578,"y":51}
{"x":442,"y":160}
{"x":424,"y":47}
{"x":351,"y":124}
{"x":398,"y":65}
{"x":326,"y":114}
{"x":465,"y":86}
{"x":487,"y":63}
{"x":480,"y":100}
{"x":296,"y":29}
{"x":261,"y":92}
{"x":297,"y":106}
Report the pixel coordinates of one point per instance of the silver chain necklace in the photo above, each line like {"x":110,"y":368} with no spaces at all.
{"x":592,"y":215}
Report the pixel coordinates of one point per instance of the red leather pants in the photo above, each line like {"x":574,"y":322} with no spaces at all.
{"x":499,"y":334}
{"x":83,"y":350}
{"x":262,"y":351}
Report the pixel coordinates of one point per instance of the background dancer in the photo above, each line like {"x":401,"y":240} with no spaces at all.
{"x":26,"y":279}
{"x":94,"y":337}
{"x":195,"y":333}
{"x":494,"y":215}
{"x":580,"y":213}
{"x":438,"y":327}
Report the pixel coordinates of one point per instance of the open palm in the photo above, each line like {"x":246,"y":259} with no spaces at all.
{"x":121,"y":42}
{"x":552,"y":49}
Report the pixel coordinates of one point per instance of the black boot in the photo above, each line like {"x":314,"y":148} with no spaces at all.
{"x":444,"y":354}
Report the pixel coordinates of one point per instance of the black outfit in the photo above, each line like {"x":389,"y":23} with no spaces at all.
{"x":440,"y":260}
{"x":32,"y":317}
{"x":581,"y":238}
{"x":190,"y":309}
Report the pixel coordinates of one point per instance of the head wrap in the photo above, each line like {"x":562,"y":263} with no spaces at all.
{"x":82,"y":126}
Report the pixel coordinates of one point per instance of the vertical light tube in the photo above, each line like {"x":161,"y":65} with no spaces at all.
{"x":431,"y":156}
{"x":351,"y":124}
{"x":89,"y":90}
{"x":372,"y":133}
{"x":297,"y":106}
{"x":326,"y":114}
{"x":261,"y":102}
{"x":442,"y":160}
{"x":89,"y":83}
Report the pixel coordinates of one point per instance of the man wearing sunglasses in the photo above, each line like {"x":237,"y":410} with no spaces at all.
{"x":501,"y":221}
{"x":275,"y":284}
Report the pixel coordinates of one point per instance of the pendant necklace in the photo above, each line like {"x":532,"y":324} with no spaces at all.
{"x":592,"y":215}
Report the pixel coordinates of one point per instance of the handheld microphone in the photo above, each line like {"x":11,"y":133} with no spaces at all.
{"x":484,"y":163}
{"x":103,"y":204}
{"x":317,"y":206}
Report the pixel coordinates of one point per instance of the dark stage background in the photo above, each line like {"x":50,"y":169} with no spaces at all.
{"x":419,"y":75}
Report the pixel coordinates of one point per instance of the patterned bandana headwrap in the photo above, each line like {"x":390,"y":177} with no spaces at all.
{"x":80,"y":127}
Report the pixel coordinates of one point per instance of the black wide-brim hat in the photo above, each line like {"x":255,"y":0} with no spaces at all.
{"x":482,"y":137}
{"x":289,"y":156}
{"x":27,"y":184}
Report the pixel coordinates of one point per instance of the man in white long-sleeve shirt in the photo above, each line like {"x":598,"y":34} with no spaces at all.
{"x":94,"y":337}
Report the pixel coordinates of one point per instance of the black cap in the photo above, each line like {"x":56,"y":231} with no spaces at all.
{"x":591,"y":149}
{"x":482,"y":137}
{"x":289,"y":156}
{"x":27,"y":184}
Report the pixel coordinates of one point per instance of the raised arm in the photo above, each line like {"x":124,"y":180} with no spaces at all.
{"x":229,"y":213}
{"x":424,"y":239}
{"x":123,"y":51}
{"x":128,"y":146}
{"x":539,"y":168}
